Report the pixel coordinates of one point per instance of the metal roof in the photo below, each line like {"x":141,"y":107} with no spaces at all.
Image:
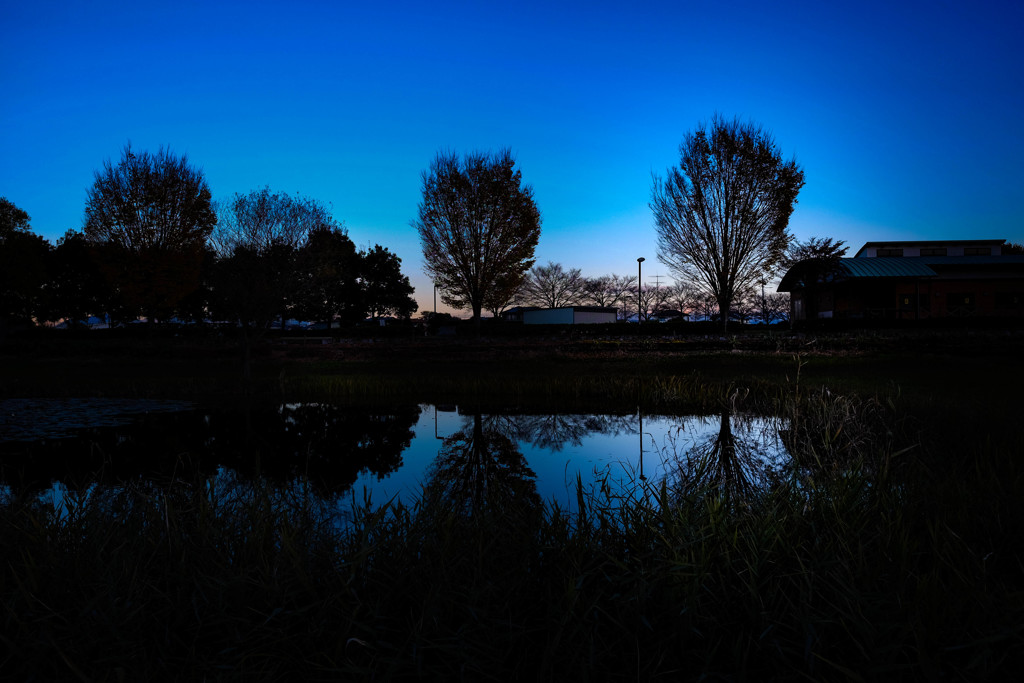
{"x":847,"y":268}
{"x":884,"y":267}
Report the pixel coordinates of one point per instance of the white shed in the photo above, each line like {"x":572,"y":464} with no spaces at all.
{"x":570,"y":315}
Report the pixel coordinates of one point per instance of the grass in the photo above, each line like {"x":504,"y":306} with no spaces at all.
{"x":892,"y":553}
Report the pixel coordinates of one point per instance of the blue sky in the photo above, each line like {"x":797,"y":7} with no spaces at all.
{"x":906,"y":117}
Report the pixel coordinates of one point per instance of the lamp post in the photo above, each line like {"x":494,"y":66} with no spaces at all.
{"x":435,"y":298}
{"x":639,"y":287}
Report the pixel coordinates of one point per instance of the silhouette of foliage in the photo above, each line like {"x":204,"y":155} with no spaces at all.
{"x":23,"y":275}
{"x":478,"y":225}
{"x":329,"y":269}
{"x":12,"y":219}
{"x":385,"y":290}
{"x":77,"y":286}
{"x":722,"y":214}
{"x":153,"y":211}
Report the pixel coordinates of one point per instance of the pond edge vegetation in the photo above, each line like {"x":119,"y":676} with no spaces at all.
{"x":897,"y":558}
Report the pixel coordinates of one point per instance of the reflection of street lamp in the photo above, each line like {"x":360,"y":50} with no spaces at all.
{"x":439,"y":438}
{"x":639,"y":286}
{"x":640,"y":412}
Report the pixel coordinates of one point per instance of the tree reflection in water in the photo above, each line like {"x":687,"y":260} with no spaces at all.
{"x":739,"y":462}
{"x":323,"y":446}
{"x":554,"y":432}
{"x":478,"y":468}
{"x":326,"y":445}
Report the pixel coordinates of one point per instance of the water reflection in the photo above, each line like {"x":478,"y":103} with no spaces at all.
{"x":554,"y":432}
{"x":325,"y":445}
{"x":740,"y":459}
{"x":479,"y":467}
{"x":474,"y":460}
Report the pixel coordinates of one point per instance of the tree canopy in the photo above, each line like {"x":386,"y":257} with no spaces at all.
{"x":12,"y":219}
{"x":722,"y":214}
{"x":151,"y":214}
{"x":261,"y":220}
{"x":386,"y":291}
{"x":149,"y":201}
{"x":478,"y":225}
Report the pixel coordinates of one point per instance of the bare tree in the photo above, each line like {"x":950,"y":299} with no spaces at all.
{"x":151,"y":214}
{"x":478,"y":225}
{"x":261,"y":220}
{"x":683,"y":297}
{"x":612,"y":291}
{"x":773,"y":307}
{"x":552,"y":286}
{"x":822,"y":248}
{"x":722,"y":214}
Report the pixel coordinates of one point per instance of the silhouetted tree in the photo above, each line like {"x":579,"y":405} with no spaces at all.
{"x":478,"y":225}
{"x":273,"y":227}
{"x":552,"y":286}
{"x":820,"y":248}
{"x":385,"y":290}
{"x":683,"y":297}
{"x":329,"y":267}
{"x":819,"y":263}
{"x":269,"y":227}
{"x":611,"y":291}
{"x":505,"y":290}
{"x":721,"y":215}
{"x":153,"y":211}
{"x":12,"y":219}
{"x":77,"y":287}
{"x":23,"y":266}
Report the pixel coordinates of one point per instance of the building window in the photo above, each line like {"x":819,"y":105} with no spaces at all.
{"x":911,"y":302}
{"x":933,"y":251}
{"x":977,"y":251}
{"x":898,"y":251}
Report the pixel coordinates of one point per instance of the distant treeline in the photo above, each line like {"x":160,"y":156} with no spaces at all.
{"x":154,"y":245}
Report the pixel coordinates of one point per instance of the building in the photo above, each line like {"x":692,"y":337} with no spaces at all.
{"x":515,"y":314}
{"x":910,"y":281}
{"x":569,"y":315}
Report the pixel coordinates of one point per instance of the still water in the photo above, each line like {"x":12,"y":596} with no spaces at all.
{"x":53,"y":446}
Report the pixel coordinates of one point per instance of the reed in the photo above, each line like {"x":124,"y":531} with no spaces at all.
{"x":871,"y":572}
{"x":891,"y":551}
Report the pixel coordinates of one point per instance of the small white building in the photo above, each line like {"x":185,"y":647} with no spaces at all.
{"x":570,"y":315}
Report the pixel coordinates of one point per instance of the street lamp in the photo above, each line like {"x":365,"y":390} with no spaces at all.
{"x":639,"y":287}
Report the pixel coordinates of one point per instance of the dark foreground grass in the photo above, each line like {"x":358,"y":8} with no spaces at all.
{"x":893,"y":552}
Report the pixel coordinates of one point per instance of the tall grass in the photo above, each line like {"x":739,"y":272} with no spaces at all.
{"x":892,"y":551}
{"x":873,"y":571}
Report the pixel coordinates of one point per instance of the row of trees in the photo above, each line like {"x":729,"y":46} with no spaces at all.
{"x":155,"y":245}
{"x":721,"y":218}
{"x":554,"y":286}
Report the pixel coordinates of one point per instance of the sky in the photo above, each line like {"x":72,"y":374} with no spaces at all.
{"x":906,"y":117}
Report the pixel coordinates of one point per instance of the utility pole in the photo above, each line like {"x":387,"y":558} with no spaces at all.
{"x":639,"y":287}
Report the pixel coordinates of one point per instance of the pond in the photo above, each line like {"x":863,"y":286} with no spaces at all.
{"x":50,"y":447}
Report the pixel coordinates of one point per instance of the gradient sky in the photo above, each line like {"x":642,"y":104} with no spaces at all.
{"x":906,"y":117}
